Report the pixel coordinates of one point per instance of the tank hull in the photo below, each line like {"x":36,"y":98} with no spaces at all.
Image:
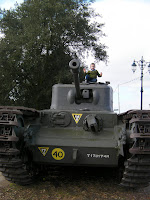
{"x":75,"y":147}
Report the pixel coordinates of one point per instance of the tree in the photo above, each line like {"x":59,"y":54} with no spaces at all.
{"x":40,"y":37}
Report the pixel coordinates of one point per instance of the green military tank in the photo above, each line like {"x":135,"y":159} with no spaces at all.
{"x":79,"y":129}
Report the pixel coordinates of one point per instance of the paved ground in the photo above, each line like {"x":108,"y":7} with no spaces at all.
{"x":3,"y":182}
{"x":75,"y":188}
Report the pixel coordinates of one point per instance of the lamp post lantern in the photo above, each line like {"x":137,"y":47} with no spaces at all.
{"x":142,"y":63}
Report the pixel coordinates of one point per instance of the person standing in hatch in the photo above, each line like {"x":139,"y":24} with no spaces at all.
{"x":91,"y":75}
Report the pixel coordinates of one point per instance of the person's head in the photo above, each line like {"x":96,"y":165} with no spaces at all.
{"x":92,"y":66}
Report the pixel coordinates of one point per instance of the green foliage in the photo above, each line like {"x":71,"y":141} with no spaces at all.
{"x":39,"y":39}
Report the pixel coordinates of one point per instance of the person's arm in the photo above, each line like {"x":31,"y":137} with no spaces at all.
{"x":99,"y":74}
{"x":84,"y":70}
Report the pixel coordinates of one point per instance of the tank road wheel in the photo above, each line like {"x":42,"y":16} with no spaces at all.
{"x":12,"y":165}
{"x":137,"y":167}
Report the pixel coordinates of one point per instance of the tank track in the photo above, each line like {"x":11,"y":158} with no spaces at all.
{"x":137,"y":167}
{"x":11,"y":165}
{"x":13,"y":170}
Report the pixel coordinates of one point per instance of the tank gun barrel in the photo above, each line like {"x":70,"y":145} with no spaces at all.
{"x":74,"y":66}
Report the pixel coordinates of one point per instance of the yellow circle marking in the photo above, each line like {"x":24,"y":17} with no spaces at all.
{"x":58,"y":154}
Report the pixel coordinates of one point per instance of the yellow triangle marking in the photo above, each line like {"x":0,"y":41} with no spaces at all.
{"x":76,"y":117}
{"x":43,"y":150}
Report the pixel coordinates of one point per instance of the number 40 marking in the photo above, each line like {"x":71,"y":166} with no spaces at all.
{"x":58,"y":154}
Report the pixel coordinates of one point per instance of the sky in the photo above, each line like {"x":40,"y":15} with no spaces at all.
{"x":127,"y":38}
{"x":127,"y":29}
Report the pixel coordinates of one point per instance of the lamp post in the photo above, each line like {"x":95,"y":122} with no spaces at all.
{"x":142,"y":63}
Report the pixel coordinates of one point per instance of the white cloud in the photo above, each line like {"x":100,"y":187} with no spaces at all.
{"x":127,"y":29}
{"x":7,"y":4}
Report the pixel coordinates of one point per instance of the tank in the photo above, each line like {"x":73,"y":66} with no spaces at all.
{"x":79,"y":129}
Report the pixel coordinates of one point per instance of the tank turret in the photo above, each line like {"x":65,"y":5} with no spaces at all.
{"x":81,"y":96}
